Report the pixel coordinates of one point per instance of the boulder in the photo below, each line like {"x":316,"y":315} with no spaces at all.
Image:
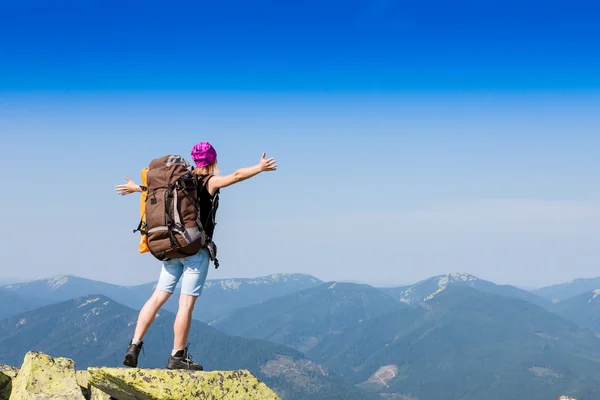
{"x":155,"y":384}
{"x":42,"y":377}
{"x":7,"y":374}
{"x":90,"y":392}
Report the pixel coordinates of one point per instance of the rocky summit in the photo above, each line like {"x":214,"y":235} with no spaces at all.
{"x":42,"y":377}
{"x":132,"y":384}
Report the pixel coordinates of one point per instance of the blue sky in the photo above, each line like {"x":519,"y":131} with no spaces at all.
{"x":382,"y":45}
{"x":413,"y":138}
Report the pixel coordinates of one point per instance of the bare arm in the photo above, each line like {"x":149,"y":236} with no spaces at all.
{"x":218,"y":182}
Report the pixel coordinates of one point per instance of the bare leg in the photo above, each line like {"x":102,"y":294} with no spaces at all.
{"x":148,"y":312}
{"x":183,"y":321}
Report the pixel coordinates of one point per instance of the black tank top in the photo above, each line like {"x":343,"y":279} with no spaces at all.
{"x":208,"y":206}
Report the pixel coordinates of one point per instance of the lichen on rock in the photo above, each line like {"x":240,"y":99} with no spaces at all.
{"x":7,"y":375}
{"x":157,"y":384}
{"x":42,"y":377}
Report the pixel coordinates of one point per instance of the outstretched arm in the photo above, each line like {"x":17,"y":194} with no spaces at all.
{"x":128,"y":188}
{"x":218,"y":182}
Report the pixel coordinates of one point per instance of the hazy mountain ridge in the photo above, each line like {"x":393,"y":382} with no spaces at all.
{"x":563,"y":291}
{"x":470,"y":345}
{"x":12,"y":304}
{"x":301,"y":319}
{"x":583,"y":309}
{"x":269,"y":280}
{"x":59,"y":288}
{"x":222,"y":296}
{"x":95,"y":331}
{"x":219,"y":296}
{"x":429,"y":288}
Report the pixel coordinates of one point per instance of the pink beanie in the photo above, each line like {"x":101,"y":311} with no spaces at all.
{"x":203,"y":154}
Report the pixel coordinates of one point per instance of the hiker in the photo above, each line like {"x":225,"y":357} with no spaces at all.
{"x":192,"y":269}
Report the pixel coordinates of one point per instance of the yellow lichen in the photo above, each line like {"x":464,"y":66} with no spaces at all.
{"x":178,"y":385}
{"x":44,"y":377}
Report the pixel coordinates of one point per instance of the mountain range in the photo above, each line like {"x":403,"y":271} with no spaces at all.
{"x":300,"y":320}
{"x":466,"y":344}
{"x":452,"y":336}
{"x":219,"y":296}
{"x":95,"y":331}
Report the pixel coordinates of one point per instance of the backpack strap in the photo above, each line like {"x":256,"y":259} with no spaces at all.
{"x":141,"y":228}
{"x":170,"y":222}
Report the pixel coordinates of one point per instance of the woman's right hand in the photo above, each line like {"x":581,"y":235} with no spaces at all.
{"x":128,"y":188}
{"x":267,"y":165}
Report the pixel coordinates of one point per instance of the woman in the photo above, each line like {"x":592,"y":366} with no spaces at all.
{"x":190,"y":270}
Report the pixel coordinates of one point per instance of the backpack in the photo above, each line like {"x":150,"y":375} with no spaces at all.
{"x":170,"y":223}
{"x":143,"y":246}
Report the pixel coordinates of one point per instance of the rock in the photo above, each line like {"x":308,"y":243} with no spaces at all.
{"x":90,"y":392}
{"x":83,"y":381}
{"x":45,"y":378}
{"x":155,"y":384}
{"x":9,"y":371}
{"x":97,"y":394}
{"x":7,"y":374}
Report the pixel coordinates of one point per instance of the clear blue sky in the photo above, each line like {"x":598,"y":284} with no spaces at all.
{"x":413,"y":139}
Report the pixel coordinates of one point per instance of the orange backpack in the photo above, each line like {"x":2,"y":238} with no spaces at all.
{"x":143,"y":247}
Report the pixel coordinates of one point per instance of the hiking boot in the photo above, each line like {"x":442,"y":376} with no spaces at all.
{"x":183,"y":360}
{"x":131,"y":356}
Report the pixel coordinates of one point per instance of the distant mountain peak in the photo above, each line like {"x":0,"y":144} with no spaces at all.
{"x":288,"y":275}
{"x":457,"y":277}
{"x":54,"y":282}
{"x":273,"y":279}
{"x":92,"y":306}
{"x":57,"y":281}
{"x":285,"y":277}
{"x":90,"y":300}
{"x":229,"y":284}
{"x":428,"y":289}
{"x":444,"y":280}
